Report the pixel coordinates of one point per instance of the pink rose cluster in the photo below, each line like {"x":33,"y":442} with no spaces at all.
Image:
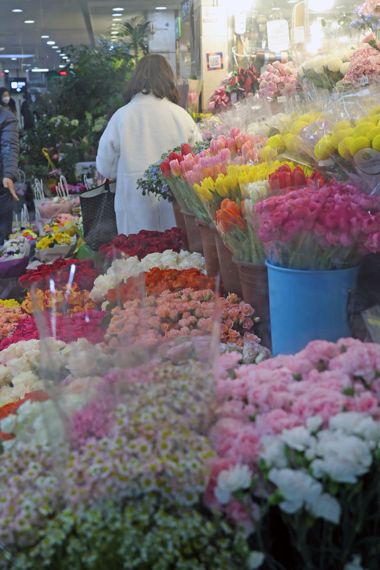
{"x":238,"y":148}
{"x":256,"y":401}
{"x":364,"y":67}
{"x":178,"y":314}
{"x":279,"y":79}
{"x":337,"y":219}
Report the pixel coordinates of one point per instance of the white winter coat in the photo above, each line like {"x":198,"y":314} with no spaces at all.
{"x":136,"y":137}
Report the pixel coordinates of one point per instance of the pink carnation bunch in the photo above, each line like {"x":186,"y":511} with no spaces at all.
{"x":279,"y":79}
{"x":364,"y":67}
{"x":327,"y":228}
{"x":259,"y":401}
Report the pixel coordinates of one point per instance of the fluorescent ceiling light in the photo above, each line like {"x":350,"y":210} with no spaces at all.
{"x":6,"y":70}
{"x":17,"y":10}
{"x":50,"y":43}
{"x":54,"y":47}
{"x":45,"y":37}
{"x":29,"y":21}
{"x":13,"y":58}
{"x":161,"y":8}
{"x":40,"y":70}
{"x":62,"y":65}
{"x":16,"y":55}
{"x":117,"y":9}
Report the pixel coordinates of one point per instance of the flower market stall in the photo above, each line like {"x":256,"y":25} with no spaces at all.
{"x":207,"y":397}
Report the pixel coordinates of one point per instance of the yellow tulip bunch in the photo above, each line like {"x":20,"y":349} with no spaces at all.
{"x":229,"y":185}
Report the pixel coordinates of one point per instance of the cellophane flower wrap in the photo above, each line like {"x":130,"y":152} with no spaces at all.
{"x":115,"y":455}
{"x":231,"y":199}
{"x":328,"y":227}
{"x":191,"y":169}
{"x":298,"y":436}
{"x":278,"y":80}
{"x":346,"y":142}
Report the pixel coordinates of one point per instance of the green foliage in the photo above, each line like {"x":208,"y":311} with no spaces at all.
{"x":135,"y":33}
{"x":96,"y":85}
{"x":76,"y":108}
{"x":144,"y":535}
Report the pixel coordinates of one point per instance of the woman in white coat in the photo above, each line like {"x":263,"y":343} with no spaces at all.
{"x":137,"y":135}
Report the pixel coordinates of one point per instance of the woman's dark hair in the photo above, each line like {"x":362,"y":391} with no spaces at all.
{"x":154,"y":75}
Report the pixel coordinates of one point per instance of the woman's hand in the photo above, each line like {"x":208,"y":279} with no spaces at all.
{"x":10,"y":185}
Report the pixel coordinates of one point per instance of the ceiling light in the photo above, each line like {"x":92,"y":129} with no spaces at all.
{"x":54,"y":47}
{"x":40,"y":69}
{"x":17,"y":10}
{"x":45,"y":37}
{"x":117,"y":9}
{"x":29,"y":21}
{"x":321,"y":5}
{"x":161,"y":8}
{"x":13,"y":58}
{"x":6,"y":70}
{"x":116,"y":18}
{"x":50,"y":43}
{"x":62,"y":65}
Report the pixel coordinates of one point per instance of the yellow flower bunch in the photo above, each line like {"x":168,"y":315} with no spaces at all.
{"x":348,"y":137}
{"x":59,"y":238}
{"x":289,"y":140}
{"x":227,"y":185}
{"x":45,"y":242}
{"x":9,"y":303}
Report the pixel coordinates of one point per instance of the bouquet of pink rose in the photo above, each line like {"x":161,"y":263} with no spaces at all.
{"x":332,"y":227}
{"x":183,"y":171}
{"x":279,"y":79}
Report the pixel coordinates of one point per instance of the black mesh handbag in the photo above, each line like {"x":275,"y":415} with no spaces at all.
{"x":98,"y":213}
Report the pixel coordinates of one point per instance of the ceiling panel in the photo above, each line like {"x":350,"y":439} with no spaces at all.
{"x":63,"y":20}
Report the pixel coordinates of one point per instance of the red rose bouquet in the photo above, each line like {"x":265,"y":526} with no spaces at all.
{"x":143,"y":243}
{"x":64,"y":271}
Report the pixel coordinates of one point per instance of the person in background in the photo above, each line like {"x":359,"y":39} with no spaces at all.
{"x":7,"y":101}
{"x":27,"y":115}
{"x":9,"y":151}
{"x":150,"y":124}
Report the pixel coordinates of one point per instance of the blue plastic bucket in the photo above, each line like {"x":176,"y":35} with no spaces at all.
{"x":308,"y":305}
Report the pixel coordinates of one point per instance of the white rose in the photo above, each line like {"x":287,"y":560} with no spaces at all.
{"x":334,"y":64}
{"x":319,"y":68}
{"x":231,"y":480}
{"x":345,"y":67}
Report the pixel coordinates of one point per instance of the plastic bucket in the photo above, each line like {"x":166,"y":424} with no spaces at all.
{"x":180,"y":220}
{"x":308,"y":305}
{"x":228,"y":268}
{"x":209,"y":249}
{"x":194,"y":239}
{"x":254,"y":285}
